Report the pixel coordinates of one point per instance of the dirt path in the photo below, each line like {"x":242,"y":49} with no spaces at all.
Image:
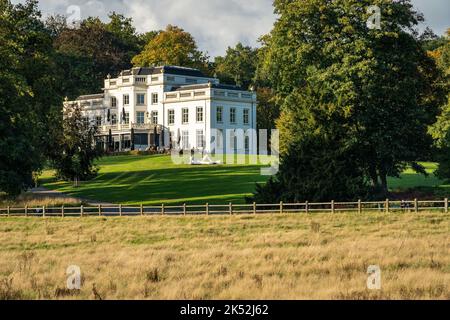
{"x":44,"y":192}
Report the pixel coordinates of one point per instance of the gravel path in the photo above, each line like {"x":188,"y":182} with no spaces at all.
{"x":44,"y":192}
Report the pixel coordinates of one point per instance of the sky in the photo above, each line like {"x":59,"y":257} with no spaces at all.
{"x":215,"y":24}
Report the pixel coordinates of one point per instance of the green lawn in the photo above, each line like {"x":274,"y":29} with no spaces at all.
{"x":153,"y":180}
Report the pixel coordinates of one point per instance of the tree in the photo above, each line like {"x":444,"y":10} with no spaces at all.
{"x":238,"y":66}
{"x":378,"y":86}
{"x":90,"y":52}
{"x":74,"y":159}
{"x":173,"y":46}
{"x":29,"y":95}
{"x":441,"y":129}
{"x":316,"y":168}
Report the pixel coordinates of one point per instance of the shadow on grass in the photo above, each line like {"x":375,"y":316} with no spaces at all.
{"x":193,"y":185}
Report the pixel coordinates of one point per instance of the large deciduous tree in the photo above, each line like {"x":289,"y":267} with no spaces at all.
{"x":29,"y":95}
{"x":238,"y":66}
{"x":441,"y":129}
{"x":94,"y":49}
{"x":173,"y":46}
{"x":375,"y":88}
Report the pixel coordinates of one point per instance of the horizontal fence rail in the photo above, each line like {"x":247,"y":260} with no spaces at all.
{"x":228,"y":209}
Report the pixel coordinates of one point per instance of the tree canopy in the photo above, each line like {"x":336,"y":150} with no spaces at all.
{"x":377,"y":90}
{"x":29,"y":94}
{"x":173,"y":46}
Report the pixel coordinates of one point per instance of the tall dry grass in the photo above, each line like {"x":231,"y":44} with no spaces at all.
{"x":318,"y":256}
{"x":38,"y":200}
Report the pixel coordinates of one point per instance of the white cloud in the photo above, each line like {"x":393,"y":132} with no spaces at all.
{"x":216,"y":24}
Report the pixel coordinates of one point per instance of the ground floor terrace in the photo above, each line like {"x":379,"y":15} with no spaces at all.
{"x":117,"y":138}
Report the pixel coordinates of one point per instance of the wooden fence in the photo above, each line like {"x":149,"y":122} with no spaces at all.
{"x":360,"y":207}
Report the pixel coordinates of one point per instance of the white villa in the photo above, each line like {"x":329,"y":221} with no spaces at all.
{"x":172,"y":108}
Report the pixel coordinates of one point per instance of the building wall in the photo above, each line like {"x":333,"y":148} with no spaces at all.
{"x":163,"y":87}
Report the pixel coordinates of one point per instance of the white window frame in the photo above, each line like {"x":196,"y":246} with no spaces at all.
{"x":219,"y":111}
{"x":200,"y":138}
{"x":185,"y":139}
{"x":154,"y":117}
{"x":126,"y":99}
{"x":199,"y":114}
{"x":233,"y":115}
{"x":138,"y":117}
{"x":138,"y":101}
{"x":246,"y":116}
{"x":185,"y":115}
{"x":155,"y":98}
{"x":171,"y":117}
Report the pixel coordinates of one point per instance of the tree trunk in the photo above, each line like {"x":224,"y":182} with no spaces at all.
{"x":384,"y":183}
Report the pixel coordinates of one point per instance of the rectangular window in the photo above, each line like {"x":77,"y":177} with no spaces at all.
{"x":200,"y":139}
{"x":155,"y":98}
{"x":140,"y":117}
{"x":127,"y":118}
{"x":219,"y":114}
{"x":185,"y":117}
{"x":154,"y":117}
{"x":219,"y":139}
{"x":98,"y":121}
{"x":199,"y":114}
{"x":171,"y":117}
{"x":126,"y":99}
{"x":233,"y":115}
{"x":140,"y":99}
{"x":246,"y":116}
{"x":113,"y":102}
{"x":113,"y":119}
{"x":185,"y":140}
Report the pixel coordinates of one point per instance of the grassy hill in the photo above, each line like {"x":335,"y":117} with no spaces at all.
{"x":152,"y":180}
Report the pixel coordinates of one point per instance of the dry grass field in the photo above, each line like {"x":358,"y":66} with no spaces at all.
{"x":318,"y":256}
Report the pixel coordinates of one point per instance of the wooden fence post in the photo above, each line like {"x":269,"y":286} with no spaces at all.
{"x":81,"y":211}
{"x":207,"y":209}
{"x":8,"y":211}
{"x":142,"y":209}
{"x":162,"y":209}
{"x":26,"y":211}
{"x":43,"y":212}
{"x":254,"y":208}
{"x":307,"y":207}
{"x":332,"y":207}
{"x":446,"y":205}
{"x":120,"y":210}
{"x":416,"y":205}
{"x":281,"y":207}
{"x":231,"y":209}
{"x":62,"y":211}
{"x":184,"y":209}
{"x":360,"y":206}
{"x":387,"y":206}
{"x":99,"y":210}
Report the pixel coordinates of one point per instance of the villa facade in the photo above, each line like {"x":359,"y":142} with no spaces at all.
{"x":172,"y":108}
